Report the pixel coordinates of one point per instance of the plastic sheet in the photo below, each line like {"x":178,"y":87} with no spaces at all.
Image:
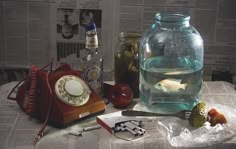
{"x":180,"y":133}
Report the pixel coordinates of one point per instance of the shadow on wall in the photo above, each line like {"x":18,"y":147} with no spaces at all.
{"x":9,"y":75}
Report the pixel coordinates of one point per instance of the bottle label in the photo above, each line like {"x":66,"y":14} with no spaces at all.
{"x":91,"y":41}
{"x":93,"y":76}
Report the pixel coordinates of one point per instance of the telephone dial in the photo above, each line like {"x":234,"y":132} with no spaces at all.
{"x":59,"y":97}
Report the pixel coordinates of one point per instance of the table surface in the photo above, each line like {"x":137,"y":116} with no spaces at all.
{"x":18,"y":129}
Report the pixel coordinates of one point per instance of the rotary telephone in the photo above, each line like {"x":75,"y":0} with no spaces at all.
{"x":59,"y":97}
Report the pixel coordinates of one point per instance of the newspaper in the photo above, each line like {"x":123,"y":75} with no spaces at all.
{"x":18,"y":129}
{"x":34,"y":31}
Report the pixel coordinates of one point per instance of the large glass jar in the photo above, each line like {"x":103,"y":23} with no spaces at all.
{"x":171,"y":64}
{"x":127,"y":60}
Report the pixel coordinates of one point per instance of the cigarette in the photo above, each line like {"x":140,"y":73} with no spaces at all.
{"x":75,"y":133}
{"x":134,"y":127}
{"x":123,"y":125}
{"x":116,"y":129}
{"x":121,"y":128}
{"x":130,"y":125}
{"x":91,"y":128}
{"x":140,"y":132}
{"x":131,"y":131}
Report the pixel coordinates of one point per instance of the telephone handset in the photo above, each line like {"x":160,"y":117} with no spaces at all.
{"x":59,"y":97}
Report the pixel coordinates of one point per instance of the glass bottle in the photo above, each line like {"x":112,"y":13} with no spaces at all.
{"x":171,"y":64}
{"x":127,"y":61}
{"x":92,"y":62}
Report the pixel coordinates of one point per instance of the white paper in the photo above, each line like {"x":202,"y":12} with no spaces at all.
{"x":180,"y":133}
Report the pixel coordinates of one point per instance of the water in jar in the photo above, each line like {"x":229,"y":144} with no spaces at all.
{"x":170,"y":84}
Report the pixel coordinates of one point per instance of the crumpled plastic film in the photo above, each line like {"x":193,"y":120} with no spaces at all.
{"x":180,"y":133}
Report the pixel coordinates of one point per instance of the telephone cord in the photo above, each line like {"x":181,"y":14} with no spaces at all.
{"x":13,"y":89}
{"x":30,"y":109}
{"x":40,"y":133}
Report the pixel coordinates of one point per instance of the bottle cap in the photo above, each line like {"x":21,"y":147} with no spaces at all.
{"x":90,"y":26}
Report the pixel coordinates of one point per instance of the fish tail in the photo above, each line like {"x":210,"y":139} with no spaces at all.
{"x":185,"y":85}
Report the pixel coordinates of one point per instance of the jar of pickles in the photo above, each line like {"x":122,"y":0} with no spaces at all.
{"x":127,"y":60}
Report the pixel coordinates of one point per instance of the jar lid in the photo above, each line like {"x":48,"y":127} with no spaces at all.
{"x":171,"y":17}
{"x":124,"y":35}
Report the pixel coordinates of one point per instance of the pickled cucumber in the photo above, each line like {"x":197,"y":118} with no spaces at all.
{"x":127,"y":65}
{"x":198,"y":115}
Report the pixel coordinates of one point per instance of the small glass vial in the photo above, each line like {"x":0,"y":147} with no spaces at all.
{"x":92,"y":62}
{"x":127,"y":60}
{"x":171,"y":64}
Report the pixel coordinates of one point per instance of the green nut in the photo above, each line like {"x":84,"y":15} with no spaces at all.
{"x":198,"y":115}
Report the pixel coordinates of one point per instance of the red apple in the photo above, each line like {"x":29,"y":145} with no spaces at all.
{"x":120,"y":95}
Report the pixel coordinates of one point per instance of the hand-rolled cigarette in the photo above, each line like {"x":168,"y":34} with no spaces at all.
{"x":91,"y":128}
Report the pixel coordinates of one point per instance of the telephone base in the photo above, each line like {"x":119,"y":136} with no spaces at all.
{"x":68,"y":115}
{"x":78,"y":120}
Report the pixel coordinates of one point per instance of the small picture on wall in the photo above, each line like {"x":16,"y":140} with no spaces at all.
{"x":67,"y":23}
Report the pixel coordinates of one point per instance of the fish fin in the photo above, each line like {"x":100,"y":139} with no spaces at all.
{"x":172,"y":79}
{"x":164,"y":89}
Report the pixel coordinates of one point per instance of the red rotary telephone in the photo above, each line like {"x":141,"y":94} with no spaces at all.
{"x":59,"y":97}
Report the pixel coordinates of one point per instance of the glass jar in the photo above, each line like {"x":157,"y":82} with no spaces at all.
{"x":171,"y":64}
{"x":127,"y":61}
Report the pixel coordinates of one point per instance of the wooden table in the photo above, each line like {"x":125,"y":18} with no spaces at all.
{"x":17,"y":129}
